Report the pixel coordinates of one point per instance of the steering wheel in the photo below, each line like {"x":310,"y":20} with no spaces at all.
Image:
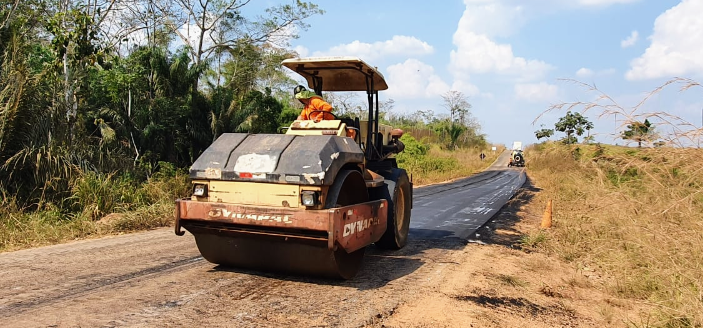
{"x":334,"y":117}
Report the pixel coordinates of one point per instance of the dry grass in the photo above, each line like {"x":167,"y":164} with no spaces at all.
{"x":128,"y":207}
{"x":669,"y":128}
{"x":23,"y":229}
{"x":636,"y":214}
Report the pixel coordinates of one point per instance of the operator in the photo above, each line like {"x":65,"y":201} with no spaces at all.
{"x":312,"y":102}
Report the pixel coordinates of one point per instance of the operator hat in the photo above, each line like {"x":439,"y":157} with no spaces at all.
{"x":298,"y":89}
{"x":306,"y":94}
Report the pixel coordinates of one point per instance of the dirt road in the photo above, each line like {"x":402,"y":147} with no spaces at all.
{"x":156,"y":279}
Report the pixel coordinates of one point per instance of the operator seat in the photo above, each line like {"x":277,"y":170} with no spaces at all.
{"x":353,"y":127}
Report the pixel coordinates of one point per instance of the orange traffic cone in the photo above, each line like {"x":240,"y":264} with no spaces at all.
{"x":547,"y":218}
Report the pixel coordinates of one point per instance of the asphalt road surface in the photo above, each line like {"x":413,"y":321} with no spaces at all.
{"x":157,"y":279}
{"x":457,"y":209}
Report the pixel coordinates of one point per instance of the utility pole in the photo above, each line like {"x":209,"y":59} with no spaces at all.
{"x":616,"y":123}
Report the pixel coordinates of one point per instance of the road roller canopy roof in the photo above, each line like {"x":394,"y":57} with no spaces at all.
{"x":337,"y":73}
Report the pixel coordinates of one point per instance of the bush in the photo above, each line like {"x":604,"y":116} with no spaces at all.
{"x":140,"y":206}
{"x":164,"y":188}
{"x":413,"y":147}
{"x":96,"y":195}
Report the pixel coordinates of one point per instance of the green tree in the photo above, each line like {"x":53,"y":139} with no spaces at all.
{"x":461,"y":128}
{"x":264,"y":113}
{"x":573,"y":123}
{"x":79,"y":92}
{"x":639,"y":131}
{"x":544,"y":133}
{"x":454,"y":131}
{"x":39,"y":152}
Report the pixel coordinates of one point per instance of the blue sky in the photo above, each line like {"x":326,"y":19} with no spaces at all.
{"x":509,"y":57}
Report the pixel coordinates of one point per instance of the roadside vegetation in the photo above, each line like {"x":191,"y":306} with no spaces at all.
{"x":432,"y":164}
{"x":104,"y":107}
{"x":104,"y":204}
{"x":635,"y":215}
{"x":99,"y":204}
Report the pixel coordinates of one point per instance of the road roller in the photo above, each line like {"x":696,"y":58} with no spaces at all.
{"x":307,"y":201}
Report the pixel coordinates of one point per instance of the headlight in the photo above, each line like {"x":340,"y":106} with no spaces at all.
{"x":308,"y":198}
{"x":200,"y":190}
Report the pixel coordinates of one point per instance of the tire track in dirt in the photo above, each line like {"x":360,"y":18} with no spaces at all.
{"x":22,"y":306}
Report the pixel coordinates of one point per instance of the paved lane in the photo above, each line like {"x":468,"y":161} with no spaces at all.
{"x":458,"y":208}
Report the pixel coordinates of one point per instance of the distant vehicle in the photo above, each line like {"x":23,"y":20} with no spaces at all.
{"x":517,"y":158}
{"x":517,"y":145}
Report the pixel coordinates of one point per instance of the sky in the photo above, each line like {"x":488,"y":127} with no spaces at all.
{"x":513,"y":59}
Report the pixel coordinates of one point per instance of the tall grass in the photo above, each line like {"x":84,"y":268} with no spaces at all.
{"x":667,"y":127}
{"x":636,"y":214}
{"x":44,"y":226}
{"x":100,"y":204}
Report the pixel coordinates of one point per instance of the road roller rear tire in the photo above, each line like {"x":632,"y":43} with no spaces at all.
{"x":349,"y":188}
{"x":398,"y":194}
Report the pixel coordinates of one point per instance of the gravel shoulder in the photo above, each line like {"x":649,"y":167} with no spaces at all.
{"x":494,"y":282}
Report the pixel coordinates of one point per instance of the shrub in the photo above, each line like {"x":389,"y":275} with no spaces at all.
{"x":96,"y":195}
{"x":413,"y":147}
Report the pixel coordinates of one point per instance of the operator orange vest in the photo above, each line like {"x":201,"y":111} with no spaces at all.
{"x":316,"y":103}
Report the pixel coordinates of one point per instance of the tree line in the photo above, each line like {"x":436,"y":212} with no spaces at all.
{"x":455,"y":128}
{"x":130,"y":86}
{"x":107,"y":85}
{"x":574,"y":125}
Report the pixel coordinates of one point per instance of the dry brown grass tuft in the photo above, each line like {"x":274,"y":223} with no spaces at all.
{"x":19,"y":229}
{"x":636,"y":214}
{"x":131,"y":208}
{"x":669,"y":128}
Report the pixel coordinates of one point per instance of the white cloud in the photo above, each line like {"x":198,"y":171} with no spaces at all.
{"x":630,"y":40}
{"x":604,"y":2}
{"x":399,"y":45}
{"x":536,"y":92}
{"x":492,"y":18}
{"x":587,"y":72}
{"x":414,"y":79}
{"x":475,"y":51}
{"x":301,"y":51}
{"x":191,"y":33}
{"x":675,"y":47}
{"x":467,"y":88}
{"x":584,"y":72}
{"x":478,"y":54}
